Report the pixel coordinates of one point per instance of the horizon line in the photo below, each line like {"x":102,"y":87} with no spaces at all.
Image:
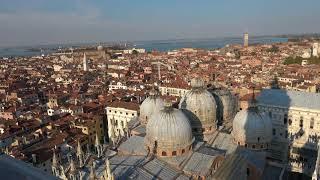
{"x":172,"y":39}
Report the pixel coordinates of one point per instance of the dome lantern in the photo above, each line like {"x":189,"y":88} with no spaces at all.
{"x":197,"y":83}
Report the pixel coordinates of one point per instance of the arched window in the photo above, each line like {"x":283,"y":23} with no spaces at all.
{"x":285,"y":119}
{"x":301,"y":122}
{"x":183,"y":151}
{"x":164,"y":153}
{"x":246,"y":145}
{"x":174,"y":153}
{"x":258,"y":139}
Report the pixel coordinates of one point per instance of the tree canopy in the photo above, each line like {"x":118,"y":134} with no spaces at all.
{"x":298,"y":60}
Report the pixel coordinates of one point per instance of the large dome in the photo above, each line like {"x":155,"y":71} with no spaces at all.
{"x":252,"y":129}
{"x":168,"y":133}
{"x":200,"y":107}
{"x":151,"y":104}
{"x":226,"y":105}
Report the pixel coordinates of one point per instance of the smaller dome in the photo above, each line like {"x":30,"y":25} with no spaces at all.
{"x":168,"y":132}
{"x":100,"y":48}
{"x":150,"y":105}
{"x":226,"y":105}
{"x":252,"y":129}
{"x":200,"y":107}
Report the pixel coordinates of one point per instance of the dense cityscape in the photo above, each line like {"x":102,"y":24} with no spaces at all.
{"x":244,"y":111}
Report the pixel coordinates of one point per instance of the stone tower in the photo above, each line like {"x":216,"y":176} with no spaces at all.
{"x":85,"y":63}
{"x":246,"y":39}
{"x":315,"y":48}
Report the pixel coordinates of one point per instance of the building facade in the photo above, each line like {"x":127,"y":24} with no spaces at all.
{"x":118,"y":115}
{"x":296,"y":123}
{"x":173,"y":91}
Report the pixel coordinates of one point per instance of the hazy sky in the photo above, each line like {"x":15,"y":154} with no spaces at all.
{"x":24,"y":22}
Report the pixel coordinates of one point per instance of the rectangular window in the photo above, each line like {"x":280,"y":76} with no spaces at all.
{"x":311,"y":123}
{"x":274,"y":131}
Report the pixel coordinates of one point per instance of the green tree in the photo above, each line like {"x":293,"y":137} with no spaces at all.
{"x":273,"y":49}
{"x":135,"y":52}
{"x":292,"y":60}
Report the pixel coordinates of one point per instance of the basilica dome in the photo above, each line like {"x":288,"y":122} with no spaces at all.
{"x":168,"y":132}
{"x":99,"y":48}
{"x":226,"y":105}
{"x":200,"y":107}
{"x":252,"y":129}
{"x":151,"y":104}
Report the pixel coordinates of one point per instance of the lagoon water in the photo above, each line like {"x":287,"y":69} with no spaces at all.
{"x":159,"y":45}
{"x":166,"y":45}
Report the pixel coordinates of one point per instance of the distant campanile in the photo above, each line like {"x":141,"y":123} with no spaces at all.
{"x":85,"y":63}
{"x":245,"y":39}
{"x":315,"y":49}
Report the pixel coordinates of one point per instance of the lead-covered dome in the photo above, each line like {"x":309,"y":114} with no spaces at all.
{"x":100,"y":48}
{"x":151,"y":104}
{"x":226,"y":105}
{"x":200,"y":107}
{"x":168,"y":133}
{"x":252,"y":129}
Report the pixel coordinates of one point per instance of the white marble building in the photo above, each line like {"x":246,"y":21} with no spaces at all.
{"x":118,"y":115}
{"x":296,"y":124}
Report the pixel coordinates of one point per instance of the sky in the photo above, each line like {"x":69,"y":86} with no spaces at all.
{"x":33,"y":22}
